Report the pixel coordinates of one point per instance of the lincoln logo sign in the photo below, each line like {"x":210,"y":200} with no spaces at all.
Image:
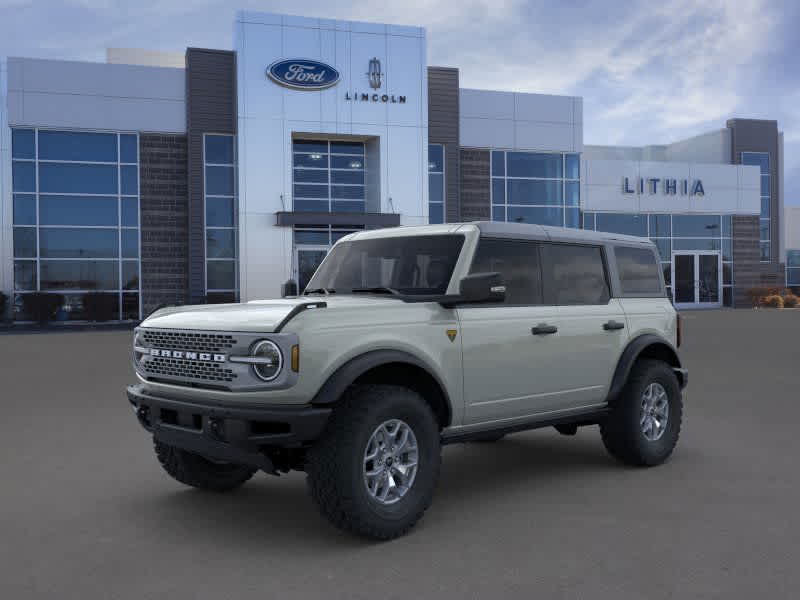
{"x":669,"y":187}
{"x":302,"y":74}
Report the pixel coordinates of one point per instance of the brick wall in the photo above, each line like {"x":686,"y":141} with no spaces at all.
{"x":165,"y":232}
{"x":748,"y":270}
{"x":443,"y":128}
{"x":475,"y":199}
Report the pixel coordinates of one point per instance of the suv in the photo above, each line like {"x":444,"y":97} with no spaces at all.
{"x":407,"y":339}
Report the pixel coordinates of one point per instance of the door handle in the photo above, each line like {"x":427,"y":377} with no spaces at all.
{"x":612,"y":325}
{"x":544,"y":329}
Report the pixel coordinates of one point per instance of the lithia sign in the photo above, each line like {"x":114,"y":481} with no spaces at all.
{"x":667,"y":186}
{"x":306,"y":74}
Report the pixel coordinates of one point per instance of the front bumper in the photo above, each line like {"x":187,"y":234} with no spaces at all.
{"x":237,"y":435}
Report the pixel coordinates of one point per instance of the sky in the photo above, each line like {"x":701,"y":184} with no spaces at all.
{"x":649,"y":72}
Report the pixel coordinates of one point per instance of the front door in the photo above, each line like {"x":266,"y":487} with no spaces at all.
{"x":697,"y":279}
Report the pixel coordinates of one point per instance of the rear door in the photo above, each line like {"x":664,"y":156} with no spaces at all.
{"x":592,"y":329}
{"x":510,"y":371}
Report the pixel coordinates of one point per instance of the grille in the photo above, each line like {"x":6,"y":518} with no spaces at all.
{"x":191,"y":369}
{"x":197,"y":342}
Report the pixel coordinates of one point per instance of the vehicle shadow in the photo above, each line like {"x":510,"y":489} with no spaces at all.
{"x":281,"y":511}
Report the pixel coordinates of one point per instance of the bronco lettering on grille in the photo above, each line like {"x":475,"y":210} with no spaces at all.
{"x":204,"y":356}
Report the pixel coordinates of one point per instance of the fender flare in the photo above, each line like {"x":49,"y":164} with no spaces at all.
{"x":632,"y":352}
{"x":345,"y":375}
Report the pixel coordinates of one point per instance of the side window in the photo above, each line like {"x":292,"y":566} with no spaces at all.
{"x":518,"y":265}
{"x":638,"y":271}
{"x":574,"y":274}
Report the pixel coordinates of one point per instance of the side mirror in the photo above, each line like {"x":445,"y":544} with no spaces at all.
{"x":482,"y":287}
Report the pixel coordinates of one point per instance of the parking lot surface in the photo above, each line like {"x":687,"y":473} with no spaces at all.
{"x":86,"y":512}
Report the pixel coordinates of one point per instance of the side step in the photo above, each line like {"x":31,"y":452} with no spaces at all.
{"x":591,"y":417}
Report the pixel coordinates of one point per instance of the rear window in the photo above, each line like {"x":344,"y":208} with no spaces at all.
{"x":574,"y":275}
{"x":638,"y":271}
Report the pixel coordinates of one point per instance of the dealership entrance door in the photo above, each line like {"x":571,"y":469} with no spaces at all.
{"x":697,"y":279}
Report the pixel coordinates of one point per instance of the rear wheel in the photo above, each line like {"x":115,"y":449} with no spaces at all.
{"x":644,"y":422}
{"x":374,"y":470}
{"x":196,"y":471}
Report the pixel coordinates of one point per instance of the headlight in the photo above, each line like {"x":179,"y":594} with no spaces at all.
{"x":138,"y":340}
{"x":270,"y":360}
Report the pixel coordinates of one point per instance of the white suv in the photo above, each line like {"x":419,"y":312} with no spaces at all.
{"x":407,"y":339}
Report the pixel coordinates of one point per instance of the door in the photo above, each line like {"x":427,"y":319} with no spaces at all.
{"x":697,"y":279}
{"x":592,"y":327}
{"x":509,"y":364}
{"x":307,"y":261}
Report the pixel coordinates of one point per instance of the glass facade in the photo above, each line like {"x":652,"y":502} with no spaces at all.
{"x":222,"y":274}
{"x":328,"y":176}
{"x":793,"y":268}
{"x":76,"y":218}
{"x":761,"y":160}
{"x":535,"y":187}
{"x":436,"y":183}
{"x":674,"y":233}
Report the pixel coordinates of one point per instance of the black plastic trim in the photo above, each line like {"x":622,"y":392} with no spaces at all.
{"x":368,"y":220}
{"x":634,"y":348}
{"x":337,"y":383}
{"x":296,"y":311}
{"x":588,"y":417}
{"x":304,"y":423}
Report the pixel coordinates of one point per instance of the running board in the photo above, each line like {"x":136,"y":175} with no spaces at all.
{"x":591,"y":417}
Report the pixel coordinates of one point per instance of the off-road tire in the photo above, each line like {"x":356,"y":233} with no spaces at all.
{"x":621,"y":430}
{"x":195,"y":471}
{"x":334,"y":465}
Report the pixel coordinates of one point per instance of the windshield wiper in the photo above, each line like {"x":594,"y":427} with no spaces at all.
{"x":375,"y":290}
{"x":322,"y":290}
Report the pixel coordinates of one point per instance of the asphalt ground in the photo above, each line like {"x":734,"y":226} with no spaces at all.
{"x":86,"y":512}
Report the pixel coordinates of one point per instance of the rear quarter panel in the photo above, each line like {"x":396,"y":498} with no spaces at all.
{"x":650,"y":315}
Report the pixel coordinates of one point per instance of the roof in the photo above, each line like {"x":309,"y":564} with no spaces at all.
{"x":510,"y":230}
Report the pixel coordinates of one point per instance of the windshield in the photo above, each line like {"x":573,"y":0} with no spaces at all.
{"x":403,"y":265}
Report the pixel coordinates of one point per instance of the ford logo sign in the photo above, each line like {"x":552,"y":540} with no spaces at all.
{"x":303,"y":74}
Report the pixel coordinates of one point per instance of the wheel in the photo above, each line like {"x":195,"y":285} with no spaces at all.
{"x":644,"y":422}
{"x":196,"y":471}
{"x":374,"y":470}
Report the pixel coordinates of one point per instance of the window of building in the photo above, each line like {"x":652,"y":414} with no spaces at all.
{"x":536,"y":187}
{"x":674,"y":232}
{"x":518,"y":265}
{"x":573,"y":274}
{"x":219,"y":158}
{"x":328,"y":176}
{"x":761,"y":160}
{"x":436,"y":183}
{"x":793,"y":268}
{"x":638,"y":271}
{"x":76,"y":218}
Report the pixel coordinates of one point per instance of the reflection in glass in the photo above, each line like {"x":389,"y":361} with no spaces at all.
{"x":532,"y":164}
{"x":219,"y":212}
{"x":219,"y":181}
{"x":77,"y":210}
{"x":23,"y":143}
{"x":25,"y":275}
{"x":530,"y":191}
{"x":78,"y":146}
{"x":25,"y":242}
{"x":221,"y":274}
{"x":219,"y":149}
{"x":684,"y":278}
{"x":220,"y":243}
{"x":57,"y":242}
{"x":65,"y":178}
{"x":24,"y":209}
{"x":79,"y":275}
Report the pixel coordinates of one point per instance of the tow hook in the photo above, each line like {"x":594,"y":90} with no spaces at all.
{"x":143,"y":414}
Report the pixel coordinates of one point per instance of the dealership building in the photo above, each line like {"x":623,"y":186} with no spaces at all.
{"x":217,"y":175}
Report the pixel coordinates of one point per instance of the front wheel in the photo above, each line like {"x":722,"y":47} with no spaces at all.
{"x":644,"y":422}
{"x":196,"y":471}
{"x":374,"y":470}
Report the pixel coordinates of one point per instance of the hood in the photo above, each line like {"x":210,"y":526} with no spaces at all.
{"x":258,"y":316}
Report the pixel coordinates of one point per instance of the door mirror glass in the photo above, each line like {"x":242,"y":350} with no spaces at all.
{"x":482,"y":287}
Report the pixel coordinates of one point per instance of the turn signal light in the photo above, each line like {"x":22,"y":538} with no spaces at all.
{"x":296,"y":358}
